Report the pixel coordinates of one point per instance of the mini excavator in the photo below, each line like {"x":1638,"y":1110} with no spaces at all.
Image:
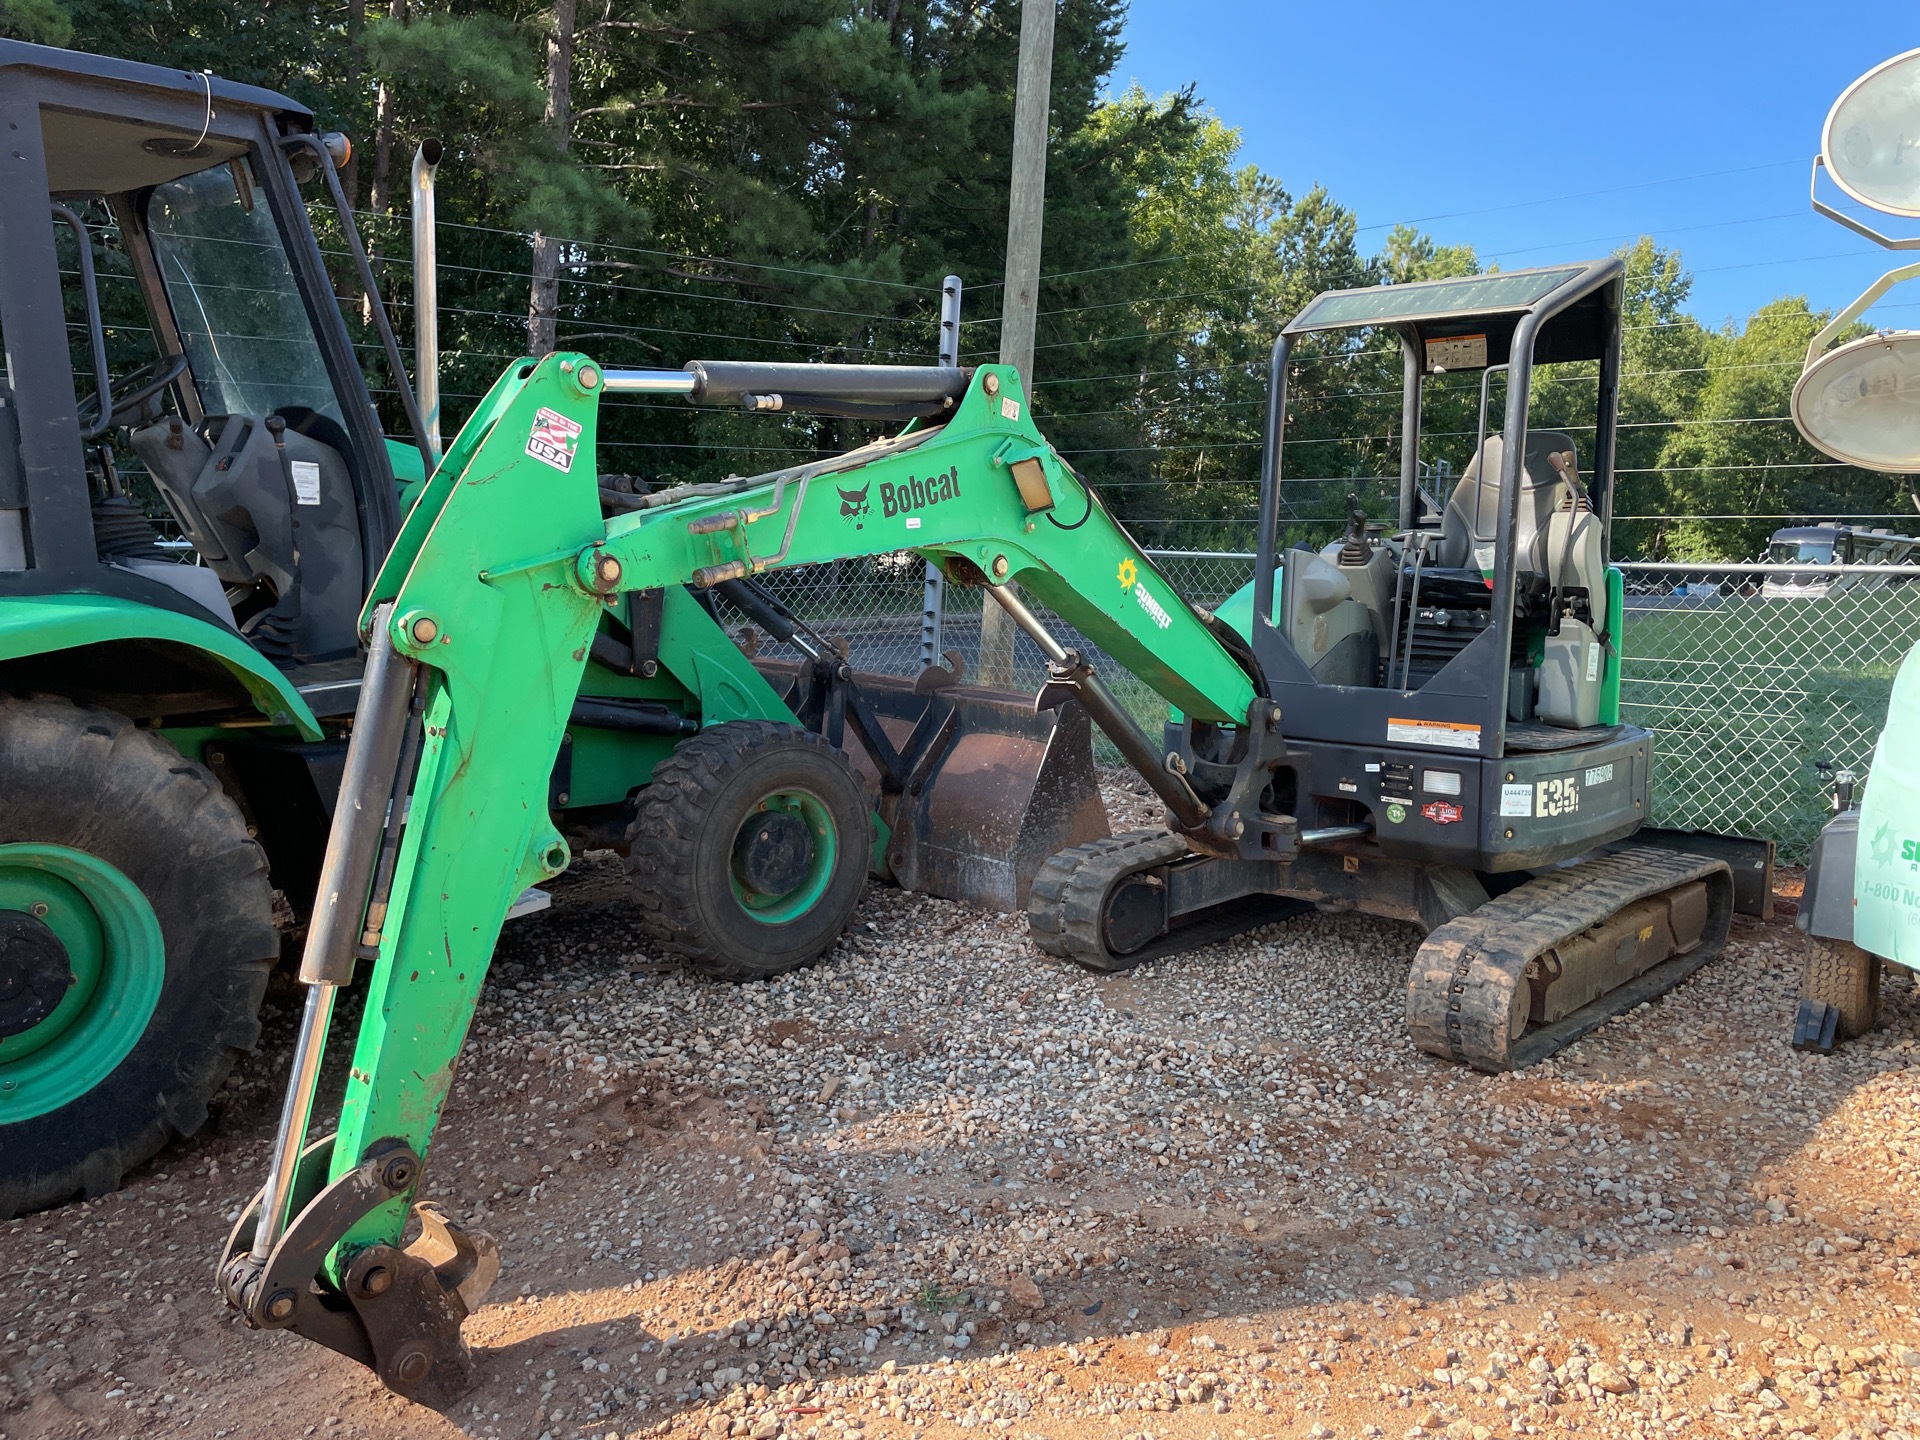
{"x":1421,"y":724}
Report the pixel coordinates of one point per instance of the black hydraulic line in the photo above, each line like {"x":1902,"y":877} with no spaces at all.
{"x":1133,"y":743}
{"x":612,"y":654}
{"x":373,"y":760}
{"x":630,"y":717}
{"x":770,"y":615}
{"x":922,"y":390}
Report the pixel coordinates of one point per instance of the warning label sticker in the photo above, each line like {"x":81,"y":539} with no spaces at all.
{"x":1457,"y":352}
{"x":1447,"y":734}
{"x":306,"y":481}
{"x":1516,"y":799}
{"x":553,"y":439}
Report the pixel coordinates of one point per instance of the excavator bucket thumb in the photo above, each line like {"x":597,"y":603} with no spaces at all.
{"x":976,"y":786}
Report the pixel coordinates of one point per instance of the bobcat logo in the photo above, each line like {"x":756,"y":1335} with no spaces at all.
{"x":853,"y":504}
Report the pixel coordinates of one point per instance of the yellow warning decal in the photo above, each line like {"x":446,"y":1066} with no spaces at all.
{"x":1447,"y":734}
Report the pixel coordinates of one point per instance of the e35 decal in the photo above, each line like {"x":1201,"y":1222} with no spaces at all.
{"x":1559,"y":796}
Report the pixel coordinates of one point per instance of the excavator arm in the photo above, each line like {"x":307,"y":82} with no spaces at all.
{"x":479,"y":631}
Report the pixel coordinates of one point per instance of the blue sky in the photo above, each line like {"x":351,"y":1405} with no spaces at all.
{"x":1550,"y":131}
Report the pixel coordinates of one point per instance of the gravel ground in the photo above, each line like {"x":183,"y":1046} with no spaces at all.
{"x":939,"y":1184}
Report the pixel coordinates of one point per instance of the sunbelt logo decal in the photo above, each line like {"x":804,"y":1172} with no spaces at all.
{"x":1129,"y":576}
{"x":1886,"y":845}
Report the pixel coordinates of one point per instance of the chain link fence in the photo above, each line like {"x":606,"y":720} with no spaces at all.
{"x":1748,"y":675}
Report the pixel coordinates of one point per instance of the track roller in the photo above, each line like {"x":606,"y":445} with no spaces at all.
{"x":1530,"y":972}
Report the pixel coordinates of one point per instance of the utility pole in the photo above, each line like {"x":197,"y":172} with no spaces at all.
{"x":1026,"y":210}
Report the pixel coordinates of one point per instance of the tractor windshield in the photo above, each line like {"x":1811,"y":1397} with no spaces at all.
{"x":242,"y":322}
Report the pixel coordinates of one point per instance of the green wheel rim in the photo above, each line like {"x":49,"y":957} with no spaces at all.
{"x":119,"y":961}
{"x":779,"y":909}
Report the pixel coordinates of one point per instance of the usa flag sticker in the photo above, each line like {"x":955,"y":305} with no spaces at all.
{"x":553,"y":439}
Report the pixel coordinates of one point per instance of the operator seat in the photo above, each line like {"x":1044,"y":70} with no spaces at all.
{"x":268,"y":500}
{"x":1471,"y":521}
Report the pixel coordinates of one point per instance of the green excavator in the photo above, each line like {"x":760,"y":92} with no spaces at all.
{"x":1419,"y":722}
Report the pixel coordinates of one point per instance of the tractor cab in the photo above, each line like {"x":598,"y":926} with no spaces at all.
{"x":1445,"y":660}
{"x":188,"y":424}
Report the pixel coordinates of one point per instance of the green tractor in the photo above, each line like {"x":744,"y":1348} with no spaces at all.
{"x":170,"y":254}
{"x":175,"y":712}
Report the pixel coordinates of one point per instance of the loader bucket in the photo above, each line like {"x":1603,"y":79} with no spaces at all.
{"x":996,"y":789}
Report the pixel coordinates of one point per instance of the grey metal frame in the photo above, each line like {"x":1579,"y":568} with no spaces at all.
{"x":1472,"y":688}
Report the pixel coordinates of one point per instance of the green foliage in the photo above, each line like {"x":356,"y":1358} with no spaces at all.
{"x":791,"y":179}
{"x":44,"y":22}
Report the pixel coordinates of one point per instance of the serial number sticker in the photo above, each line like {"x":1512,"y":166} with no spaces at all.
{"x":1593,"y":663}
{"x":1447,"y":734}
{"x":306,"y":481}
{"x":553,"y":439}
{"x":913,"y":522}
{"x":1009,"y":409}
{"x":1558,"y":796}
{"x":1598,"y":775}
{"x":1516,"y":799}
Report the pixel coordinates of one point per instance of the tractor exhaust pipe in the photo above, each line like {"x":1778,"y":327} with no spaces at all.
{"x":426,"y":292}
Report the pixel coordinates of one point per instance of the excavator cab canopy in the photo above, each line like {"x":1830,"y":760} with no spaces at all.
{"x":1493,"y":561}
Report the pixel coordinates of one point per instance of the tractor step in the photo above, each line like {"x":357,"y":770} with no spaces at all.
{"x":1533,"y":970}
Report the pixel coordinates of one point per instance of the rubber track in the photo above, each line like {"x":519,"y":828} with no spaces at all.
{"x":1461,"y":988}
{"x":1069,"y":902}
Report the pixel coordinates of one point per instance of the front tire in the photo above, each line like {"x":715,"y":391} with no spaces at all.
{"x":136,"y":934}
{"x":1841,"y":974}
{"x":748,"y":852}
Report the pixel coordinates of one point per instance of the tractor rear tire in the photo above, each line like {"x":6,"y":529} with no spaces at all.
{"x":748,"y":851}
{"x":134,"y":905}
{"x":1841,"y":974}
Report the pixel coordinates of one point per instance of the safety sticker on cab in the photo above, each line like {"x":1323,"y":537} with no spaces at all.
{"x":553,"y":439}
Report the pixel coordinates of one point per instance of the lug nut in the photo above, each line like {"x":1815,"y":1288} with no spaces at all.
{"x":1000,"y":566}
{"x":397,"y":1173}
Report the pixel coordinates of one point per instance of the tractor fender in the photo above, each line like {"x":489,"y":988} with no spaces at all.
{"x":1826,"y":905}
{"x":64,"y":626}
